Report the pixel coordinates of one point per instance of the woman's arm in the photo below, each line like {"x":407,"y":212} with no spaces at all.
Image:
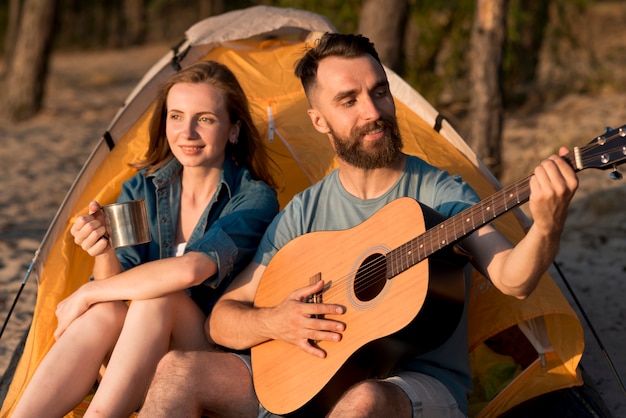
{"x":146,"y":281}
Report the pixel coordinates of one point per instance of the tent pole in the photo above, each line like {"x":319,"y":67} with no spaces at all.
{"x":593,"y":331}
{"x":17,"y":297}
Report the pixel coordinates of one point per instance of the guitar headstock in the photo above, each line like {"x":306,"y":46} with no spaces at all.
{"x":604,"y":152}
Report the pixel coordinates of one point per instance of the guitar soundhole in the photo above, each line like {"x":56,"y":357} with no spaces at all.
{"x":370,"y":278}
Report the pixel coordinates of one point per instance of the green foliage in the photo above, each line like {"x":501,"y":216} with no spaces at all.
{"x":435,"y":57}
{"x":343,"y":14}
{"x":436,"y":52}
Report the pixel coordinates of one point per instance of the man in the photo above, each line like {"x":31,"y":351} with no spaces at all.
{"x":351,"y":103}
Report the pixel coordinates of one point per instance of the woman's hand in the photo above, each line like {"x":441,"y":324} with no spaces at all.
{"x":89,"y":231}
{"x":70,"y":309}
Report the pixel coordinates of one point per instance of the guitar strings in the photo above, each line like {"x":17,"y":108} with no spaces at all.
{"x":369,"y":274}
{"x":421,"y":247}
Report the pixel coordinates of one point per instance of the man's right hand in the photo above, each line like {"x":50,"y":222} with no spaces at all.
{"x":302,"y":323}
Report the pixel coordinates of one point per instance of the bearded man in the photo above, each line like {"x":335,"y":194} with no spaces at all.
{"x":351,"y":103}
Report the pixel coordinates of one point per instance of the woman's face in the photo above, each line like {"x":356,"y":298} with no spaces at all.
{"x":197,"y":125}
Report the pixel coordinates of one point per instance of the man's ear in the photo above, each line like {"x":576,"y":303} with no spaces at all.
{"x":319,"y":123}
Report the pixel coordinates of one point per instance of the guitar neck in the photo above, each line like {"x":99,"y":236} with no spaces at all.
{"x":604,"y":152}
{"x":457,"y":227}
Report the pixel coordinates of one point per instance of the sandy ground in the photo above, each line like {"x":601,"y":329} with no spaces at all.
{"x":39,"y":160}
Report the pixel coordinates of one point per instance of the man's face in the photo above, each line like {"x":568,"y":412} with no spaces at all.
{"x":353,"y":105}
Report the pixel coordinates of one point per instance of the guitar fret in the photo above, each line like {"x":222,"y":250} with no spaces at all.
{"x":454,"y":230}
{"x":457,"y":227}
{"x":441,"y":240}
{"x":394,"y":264}
{"x":402,"y":264}
{"x":406,"y":253}
{"x":504,"y":200}
{"x":482,"y":212}
{"x":428,"y":242}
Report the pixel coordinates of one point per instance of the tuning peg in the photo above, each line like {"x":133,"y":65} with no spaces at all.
{"x":607,"y":129}
{"x":616,"y":175}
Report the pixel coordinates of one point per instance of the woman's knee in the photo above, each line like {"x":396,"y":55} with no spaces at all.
{"x":105,"y":315}
{"x":166,"y":305}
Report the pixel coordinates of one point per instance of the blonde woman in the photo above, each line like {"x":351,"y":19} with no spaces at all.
{"x":209,"y":199}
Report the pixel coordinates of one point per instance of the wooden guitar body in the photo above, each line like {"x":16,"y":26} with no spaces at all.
{"x":402,"y":297}
{"x":392,"y":311}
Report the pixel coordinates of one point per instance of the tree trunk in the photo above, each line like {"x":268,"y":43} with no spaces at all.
{"x":110,"y":16}
{"x":210,"y":8}
{"x":384,"y":23}
{"x":15,"y":10}
{"x":27,"y":70}
{"x":486,"y":102}
{"x":135,"y":21}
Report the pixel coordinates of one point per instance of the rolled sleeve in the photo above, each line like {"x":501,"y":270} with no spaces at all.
{"x":219,"y":247}
{"x":233,"y":238}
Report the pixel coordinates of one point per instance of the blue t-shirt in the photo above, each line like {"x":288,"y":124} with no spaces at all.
{"x":228,"y":230}
{"x":328,"y":206}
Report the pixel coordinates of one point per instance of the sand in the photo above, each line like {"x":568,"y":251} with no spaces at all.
{"x":40,"y":158}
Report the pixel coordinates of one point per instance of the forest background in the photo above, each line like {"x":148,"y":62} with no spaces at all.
{"x":469,"y":58}
{"x":560,"y":77}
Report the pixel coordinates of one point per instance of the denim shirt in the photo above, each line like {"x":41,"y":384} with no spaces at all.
{"x":227,"y":232}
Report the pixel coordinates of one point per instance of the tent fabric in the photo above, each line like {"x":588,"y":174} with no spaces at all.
{"x":260,"y":45}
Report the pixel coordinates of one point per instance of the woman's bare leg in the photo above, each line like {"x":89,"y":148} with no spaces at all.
{"x":151,"y":328}
{"x":70,"y":369}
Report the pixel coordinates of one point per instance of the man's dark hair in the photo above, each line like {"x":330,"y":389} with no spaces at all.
{"x":332,"y":45}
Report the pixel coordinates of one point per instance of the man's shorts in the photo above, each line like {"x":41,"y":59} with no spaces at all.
{"x":429,"y":397}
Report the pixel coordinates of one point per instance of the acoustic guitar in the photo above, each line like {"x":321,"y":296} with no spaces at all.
{"x":401,"y":281}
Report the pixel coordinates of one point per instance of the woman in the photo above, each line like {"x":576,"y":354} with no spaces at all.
{"x":205,"y":182}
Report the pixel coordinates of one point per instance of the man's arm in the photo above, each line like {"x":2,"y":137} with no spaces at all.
{"x":516,"y":270}
{"x":237,"y":324}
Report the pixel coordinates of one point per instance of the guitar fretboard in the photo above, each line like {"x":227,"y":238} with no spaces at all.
{"x":604,"y":152}
{"x":457,"y":227}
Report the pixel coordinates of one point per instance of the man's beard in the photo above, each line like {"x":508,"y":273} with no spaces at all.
{"x":382,"y":153}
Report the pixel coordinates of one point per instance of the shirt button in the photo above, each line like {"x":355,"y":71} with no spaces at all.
{"x":163,"y":220}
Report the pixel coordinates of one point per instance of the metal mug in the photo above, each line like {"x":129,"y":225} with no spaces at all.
{"x":127,"y":223}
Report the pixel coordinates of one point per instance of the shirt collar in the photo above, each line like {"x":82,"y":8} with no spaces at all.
{"x":172,"y":169}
